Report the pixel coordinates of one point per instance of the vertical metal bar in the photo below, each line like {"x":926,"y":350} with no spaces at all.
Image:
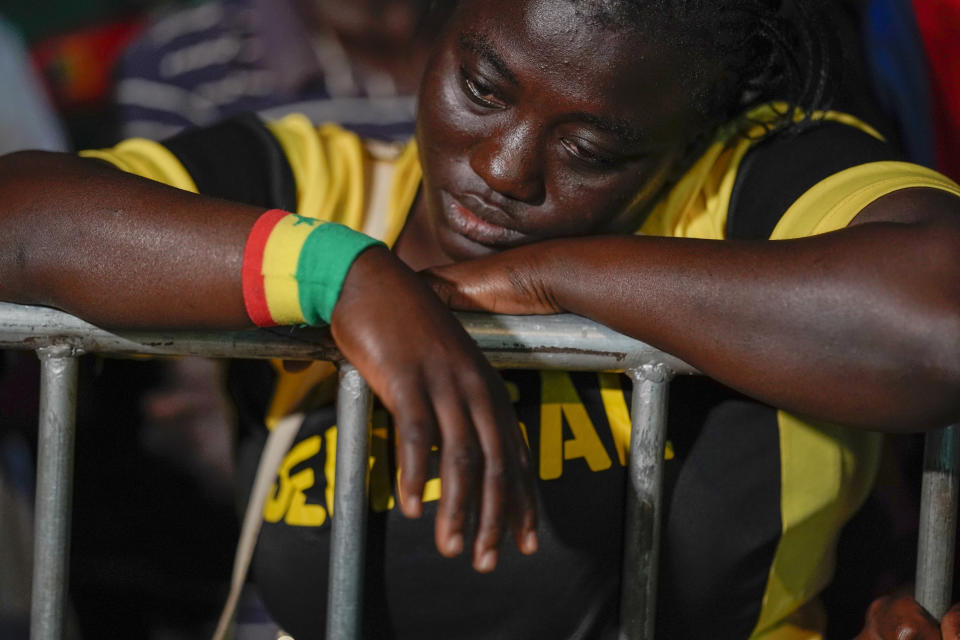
{"x":58,"y":403}
{"x":345,"y":589}
{"x":938,"y":520}
{"x":638,"y":596}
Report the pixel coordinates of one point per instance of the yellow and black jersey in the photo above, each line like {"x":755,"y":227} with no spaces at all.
{"x":755,"y":497}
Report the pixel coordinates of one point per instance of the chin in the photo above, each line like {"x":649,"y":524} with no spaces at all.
{"x":460,"y":249}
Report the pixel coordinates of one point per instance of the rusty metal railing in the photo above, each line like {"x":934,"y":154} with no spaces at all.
{"x":534,"y":342}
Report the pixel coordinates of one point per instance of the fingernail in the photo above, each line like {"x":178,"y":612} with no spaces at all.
{"x":455,"y":544}
{"x":412,"y":505}
{"x":487,"y":561}
{"x":530,"y":542}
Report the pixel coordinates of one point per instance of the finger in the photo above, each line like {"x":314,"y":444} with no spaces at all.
{"x":459,"y":467}
{"x":876,"y":613}
{"x":902,"y":618}
{"x":445,"y":285}
{"x":523,"y":490}
{"x":950,"y":626}
{"x":524,"y":504}
{"x":416,"y":433}
{"x":509,"y":491}
{"x":495,"y":488}
{"x":911,"y":620}
{"x":867,"y":634}
{"x":890,"y":617}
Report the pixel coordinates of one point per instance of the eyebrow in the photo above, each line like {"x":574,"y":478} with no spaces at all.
{"x":477,"y":43}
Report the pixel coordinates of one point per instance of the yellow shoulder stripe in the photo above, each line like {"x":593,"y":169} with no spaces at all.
{"x":147,"y":159}
{"x":834,"y":201}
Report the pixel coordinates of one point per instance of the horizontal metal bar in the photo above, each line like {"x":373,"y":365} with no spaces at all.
{"x":537,"y":342}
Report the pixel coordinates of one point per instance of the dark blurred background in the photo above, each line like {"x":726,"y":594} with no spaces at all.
{"x":74,"y":46}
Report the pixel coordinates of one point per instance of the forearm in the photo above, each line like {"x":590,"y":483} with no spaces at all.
{"x":126,"y":252}
{"x":860,"y":327}
{"x":116,"y":249}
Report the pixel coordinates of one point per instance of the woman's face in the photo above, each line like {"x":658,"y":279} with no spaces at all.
{"x":536,"y":122}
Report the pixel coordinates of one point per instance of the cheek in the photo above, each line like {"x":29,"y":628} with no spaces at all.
{"x":583,"y":206}
{"x":443,"y":123}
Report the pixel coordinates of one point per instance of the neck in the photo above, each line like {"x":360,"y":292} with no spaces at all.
{"x":417,"y":245}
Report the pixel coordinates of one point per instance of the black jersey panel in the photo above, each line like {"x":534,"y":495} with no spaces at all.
{"x":777,"y":171}
{"x":720,"y":530}
{"x":722,"y":517}
{"x":240,"y":160}
{"x":569,"y":590}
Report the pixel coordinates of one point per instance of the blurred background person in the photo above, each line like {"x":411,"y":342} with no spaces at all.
{"x":354,"y":63}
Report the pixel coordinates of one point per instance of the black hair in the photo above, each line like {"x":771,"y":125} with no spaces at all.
{"x":747,"y":52}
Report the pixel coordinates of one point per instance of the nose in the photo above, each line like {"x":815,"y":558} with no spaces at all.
{"x":510,"y":163}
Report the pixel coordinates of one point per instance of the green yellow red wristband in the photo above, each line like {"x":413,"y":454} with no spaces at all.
{"x":294,"y":267}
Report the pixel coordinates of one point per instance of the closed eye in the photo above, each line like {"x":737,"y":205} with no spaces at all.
{"x":479,"y":93}
{"x":588,"y":154}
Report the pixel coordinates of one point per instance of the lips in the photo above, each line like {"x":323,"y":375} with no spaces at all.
{"x":476,"y":222}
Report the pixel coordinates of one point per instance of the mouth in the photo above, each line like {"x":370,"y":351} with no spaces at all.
{"x":473,"y":222}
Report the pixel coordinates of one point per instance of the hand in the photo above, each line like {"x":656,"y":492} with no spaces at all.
{"x":950,"y":625}
{"x":441,"y":390}
{"x":512,"y":282}
{"x":902,"y":618}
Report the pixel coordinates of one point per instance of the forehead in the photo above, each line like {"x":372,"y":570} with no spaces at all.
{"x":563,"y":52}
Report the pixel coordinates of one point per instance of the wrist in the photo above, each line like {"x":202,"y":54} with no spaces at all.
{"x":370,"y":274}
{"x":294,"y":267}
{"x":554,"y":264}
{"x":584,"y":274}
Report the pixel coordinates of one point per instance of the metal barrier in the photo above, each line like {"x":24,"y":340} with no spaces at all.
{"x":533,"y":342}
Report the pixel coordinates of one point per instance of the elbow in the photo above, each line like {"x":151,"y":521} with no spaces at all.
{"x":943,"y":348}
{"x":937,"y":358}
{"x":942,"y":397}
{"x":24,"y":184}
{"x":913,"y":339}
{"x":19,"y":163}
{"x":26,"y":156}
{"x":25,"y":178}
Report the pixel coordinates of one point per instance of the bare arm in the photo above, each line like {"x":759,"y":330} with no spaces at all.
{"x":123,"y":251}
{"x":860,"y":326}
{"x":117,"y":249}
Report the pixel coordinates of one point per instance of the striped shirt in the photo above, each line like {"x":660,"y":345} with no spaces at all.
{"x":198,"y":65}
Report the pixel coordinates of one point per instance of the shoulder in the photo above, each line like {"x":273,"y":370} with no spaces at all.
{"x":324,"y":172}
{"x":238,"y":159}
{"x":777,"y":171}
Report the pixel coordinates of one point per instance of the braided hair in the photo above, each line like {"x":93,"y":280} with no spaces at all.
{"x":756,"y":52}
{"x":777,"y":52}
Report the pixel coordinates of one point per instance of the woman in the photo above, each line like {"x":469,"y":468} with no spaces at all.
{"x":549,"y":131}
